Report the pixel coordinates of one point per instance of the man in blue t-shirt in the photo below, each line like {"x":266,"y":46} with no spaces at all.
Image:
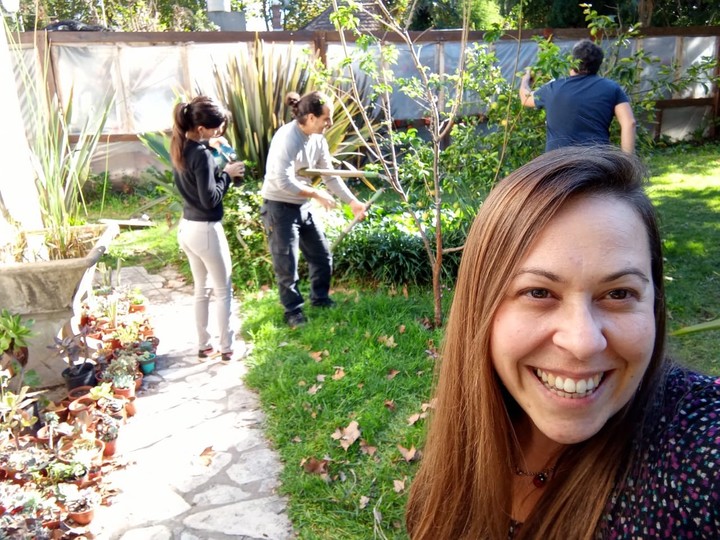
{"x":580,"y":108}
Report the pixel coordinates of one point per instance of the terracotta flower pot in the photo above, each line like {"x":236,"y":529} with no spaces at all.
{"x":81,"y":407}
{"x":82,"y":518}
{"x":110,"y":448}
{"x":79,"y":391}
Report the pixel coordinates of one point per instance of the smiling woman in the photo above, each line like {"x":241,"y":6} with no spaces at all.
{"x":554,"y":377}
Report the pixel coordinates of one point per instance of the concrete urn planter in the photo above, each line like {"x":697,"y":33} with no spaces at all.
{"x":50,"y":292}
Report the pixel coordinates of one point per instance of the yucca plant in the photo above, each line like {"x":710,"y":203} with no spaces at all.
{"x":253,"y":86}
{"x":61,"y":166}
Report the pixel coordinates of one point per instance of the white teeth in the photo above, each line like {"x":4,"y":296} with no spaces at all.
{"x":567,"y":387}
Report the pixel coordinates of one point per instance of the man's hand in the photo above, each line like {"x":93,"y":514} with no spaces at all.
{"x":324,"y":198}
{"x":526,"y":95}
{"x":359,"y":209}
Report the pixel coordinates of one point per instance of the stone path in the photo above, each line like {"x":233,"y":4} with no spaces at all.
{"x":198,"y":465}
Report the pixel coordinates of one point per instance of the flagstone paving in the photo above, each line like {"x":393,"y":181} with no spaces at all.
{"x":193,"y":462}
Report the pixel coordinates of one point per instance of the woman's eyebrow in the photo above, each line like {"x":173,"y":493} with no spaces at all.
{"x":607,"y":279}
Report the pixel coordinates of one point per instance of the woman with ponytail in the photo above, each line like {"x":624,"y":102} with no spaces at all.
{"x":198,"y":126}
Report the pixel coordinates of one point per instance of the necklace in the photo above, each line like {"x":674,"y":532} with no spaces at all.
{"x":539,"y":479}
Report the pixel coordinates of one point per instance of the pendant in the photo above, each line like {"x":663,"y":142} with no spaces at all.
{"x":539,"y":480}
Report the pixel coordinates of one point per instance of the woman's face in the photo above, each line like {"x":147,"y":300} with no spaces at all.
{"x":574,"y":334}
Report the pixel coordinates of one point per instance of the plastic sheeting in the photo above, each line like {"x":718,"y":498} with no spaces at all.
{"x":146,"y":80}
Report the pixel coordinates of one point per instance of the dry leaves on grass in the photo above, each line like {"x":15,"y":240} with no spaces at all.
{"x":316,"y":466}
{"x":364,"y":502}
{"x":365,"y":448}
{"x":319,"y":355}
{"x":348,"y":435}
{"x":314,"y":389}
{"x":391,"y":374}
{"x":409,"y":454}
{"x":399,"y":485}
{"x":388,"y":341}
{"x":339,"y":373}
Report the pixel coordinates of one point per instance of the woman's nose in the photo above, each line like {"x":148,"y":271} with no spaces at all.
{"x":580,"y":331}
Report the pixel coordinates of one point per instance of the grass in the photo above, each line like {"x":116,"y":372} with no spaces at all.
{"x":686,"y":192}
{"x":370,"y":360}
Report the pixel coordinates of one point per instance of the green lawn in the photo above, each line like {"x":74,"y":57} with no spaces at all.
{"x":371,"y":360}
{"x":686,"y":191}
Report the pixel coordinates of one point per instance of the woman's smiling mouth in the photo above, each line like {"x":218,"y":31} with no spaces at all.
{"x":566,"y":387}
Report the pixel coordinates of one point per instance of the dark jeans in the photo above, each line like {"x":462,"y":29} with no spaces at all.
{"x":290,"y":228}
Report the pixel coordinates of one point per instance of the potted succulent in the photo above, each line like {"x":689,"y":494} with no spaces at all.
{"x":107,"y":430}
{"x":146,"y":361}
{"x":76,"y":352}
{"x":137,"y":301}
{"x":81,"y":504}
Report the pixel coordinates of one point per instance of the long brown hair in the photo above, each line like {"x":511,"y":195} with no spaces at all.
{"x":201,"y":111}
{"x":463,"y":487}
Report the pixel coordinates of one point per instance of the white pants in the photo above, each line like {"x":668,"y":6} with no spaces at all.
{"x":207,"y":249}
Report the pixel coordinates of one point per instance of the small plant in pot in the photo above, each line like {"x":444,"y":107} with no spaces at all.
{"x":146,"y":360}
{"x":14,"y":334}
{"x":107,"y":430}
{"x":80,"y":503}
{"x":77,"y":354}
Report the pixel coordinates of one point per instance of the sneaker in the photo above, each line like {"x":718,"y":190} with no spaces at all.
{"x":324,"y":303}
{"x":295,"y":319}
{"x":207,"y":352}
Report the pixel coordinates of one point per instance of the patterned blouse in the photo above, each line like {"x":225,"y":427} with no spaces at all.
{"x":673,"y":490}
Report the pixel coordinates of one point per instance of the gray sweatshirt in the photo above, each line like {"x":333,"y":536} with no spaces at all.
{"x":290,"y":151}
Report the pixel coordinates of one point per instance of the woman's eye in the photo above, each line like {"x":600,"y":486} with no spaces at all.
{"x":619,"y":294}
{"x":538,"y":293}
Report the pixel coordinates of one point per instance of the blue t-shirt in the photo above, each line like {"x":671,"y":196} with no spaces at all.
{"x":579,"y":109}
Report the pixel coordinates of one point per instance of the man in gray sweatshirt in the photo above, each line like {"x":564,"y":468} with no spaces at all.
{"x":286,"y":212}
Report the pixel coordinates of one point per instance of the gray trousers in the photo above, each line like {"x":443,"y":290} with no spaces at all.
{"x":291,"y":229}
{"x":207,"y":250}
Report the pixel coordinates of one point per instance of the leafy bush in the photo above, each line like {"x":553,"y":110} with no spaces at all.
{"x":386,"y":249}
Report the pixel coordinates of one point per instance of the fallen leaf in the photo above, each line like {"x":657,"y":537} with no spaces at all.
{"x":339,"y":374}
{"x":405,"y":291}
{"x":410,"y":454}
{"x":315,"y":466}
{"x":388,"y":341}
{"x":401,"y":329}
{"x":296,"y":439}
{"x":321,"y":377}
{"x":314,"y":389}
{"x":399,"y":485}
{"x":364,"y":501}
{"x":415,"y":417}
{"x":390,"y":404}
{"x":391,"y":374}
{"x":430,"y":405}
{"x":302,"y":383}
{"x":365,"y":448}
{"x":317,"y":356}
{"x":206,"y":456}
{"x":348,"y":435}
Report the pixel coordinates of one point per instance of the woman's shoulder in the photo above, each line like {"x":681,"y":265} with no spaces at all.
{"x":689,"y":393}
{"x":688,"y":426}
